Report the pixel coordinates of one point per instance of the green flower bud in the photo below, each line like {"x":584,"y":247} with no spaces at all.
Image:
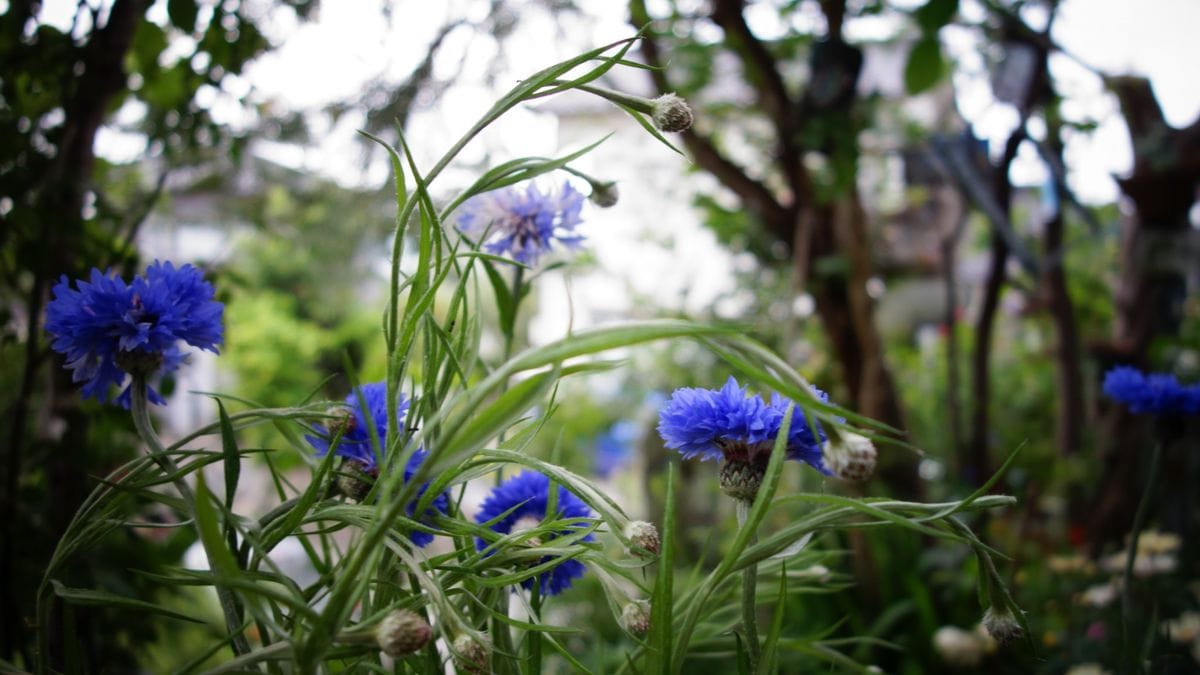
{"x":671,"y":113}
{"x":1001,"y":624}
{"x":604,"y":195}
{"x":402,"y":632}
{"x":470,"y":655}
{"x":643,"y":538}
{"x":354,"y":479}
{"x":850,"y":457}
{"x":636,"y":617}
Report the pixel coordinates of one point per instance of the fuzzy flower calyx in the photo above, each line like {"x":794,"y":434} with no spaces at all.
{"x":671,"y":113}
{"x":643,"y":538}
{"x":731,"y":425}
{"x":1001,"y":624}
{"x":109,"y":330}
{"x":635,"y":617}
{"x":471,"y":655}
{"x":523,"y":223}
{"x":528,"y":495}
{"x":352,"y":433}
{"x":402,"y":632}
{"x":1152,"y":393}
{"x":605,"y":195}
{"x":851,"y":457}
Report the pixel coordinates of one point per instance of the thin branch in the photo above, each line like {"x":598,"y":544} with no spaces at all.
{"x":758,"y":199}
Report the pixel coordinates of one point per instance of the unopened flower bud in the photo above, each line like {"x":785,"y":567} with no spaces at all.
{"x":851,"y":457}
{"x":604,"y":195}
{"x":643,"y":538}
{"x":341,"y":420}
{"x":741,"y":479}
{"x":636,"y":617}
{"x":671,"y":113}
{"x":402,"y":632}
{"x":1001,"y":624}
{"x":354,"y":480}
{"x":470,"y":655}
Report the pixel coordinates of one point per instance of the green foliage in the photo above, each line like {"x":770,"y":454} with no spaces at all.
{"x":926,"y":66}
{"x":477,"y":418}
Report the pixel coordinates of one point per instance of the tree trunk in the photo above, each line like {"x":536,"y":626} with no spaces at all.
{"x":1150,"y":289}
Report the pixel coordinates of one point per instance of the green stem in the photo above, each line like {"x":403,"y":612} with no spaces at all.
{"x":510,"y":333}
{"x":145,"y":429}
{"x":1139,"y":521}
{"x":518,"y":293}
{"x":535,"y":637}
{"x":749,"y":592}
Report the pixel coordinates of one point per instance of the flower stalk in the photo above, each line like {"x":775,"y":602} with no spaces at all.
{"x":1139,"y":522}
{"x":139,"y":406}
{"x":749,"y":591}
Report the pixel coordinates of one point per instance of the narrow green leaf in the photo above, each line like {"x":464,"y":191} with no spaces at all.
{"x":209,"y":526}
{"x":233,"y":461}
{"x":98,"y":598}
{"x":768,"y":661}
{"x":486,"y":423}
{"x":663,"y":598}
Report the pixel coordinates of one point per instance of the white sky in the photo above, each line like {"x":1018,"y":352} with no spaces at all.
{"x":329,"y":60}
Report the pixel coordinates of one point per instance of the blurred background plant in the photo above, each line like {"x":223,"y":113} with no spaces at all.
{"x":897,"y":196}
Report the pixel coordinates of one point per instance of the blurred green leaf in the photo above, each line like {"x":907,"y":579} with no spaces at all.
{"x":183,"y":14}
{"x":925,"y":65}
{"x":84,"y":596}
{"x":934,"y":14}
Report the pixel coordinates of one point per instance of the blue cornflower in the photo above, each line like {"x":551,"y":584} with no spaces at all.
{"x":729,"y":423}
{"x":355,"y":442}
{"x":355,"y":445}
{"x":614,"y":448}
{"x":523,"y":223}
{"x":527,"y":494}
{"x":1154,"y":393}
{"x":109,"y":329}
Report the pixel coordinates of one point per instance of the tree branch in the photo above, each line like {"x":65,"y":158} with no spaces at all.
{"x":757,"y":198}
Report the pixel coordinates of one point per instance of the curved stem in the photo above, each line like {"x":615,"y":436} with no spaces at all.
{"x":749,"y":592}
{"x":1139,"y":521}
{"x":145,"y":429}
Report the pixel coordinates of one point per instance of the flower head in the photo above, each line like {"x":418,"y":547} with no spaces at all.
{"x":728,"y":423}
{"x":524,"y":223}
{"x":109,"y":329}
{"x":364,"y":412}
{"x":1154,"y":393}
{"x":355,"y":445}
{"x":527,"y":495}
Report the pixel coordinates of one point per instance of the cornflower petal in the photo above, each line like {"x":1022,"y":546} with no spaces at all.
{"x":355,"y":444}
{"x":529,"y":493}
{"x":1151,"y":393}
{"x":523,"y":224}
{"x":104,"y":324}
